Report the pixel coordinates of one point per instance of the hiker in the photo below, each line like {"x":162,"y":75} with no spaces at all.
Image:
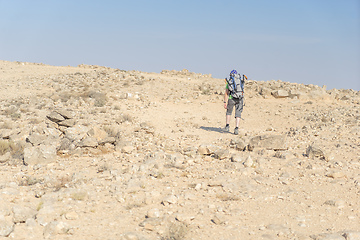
{"x":234,"y":97}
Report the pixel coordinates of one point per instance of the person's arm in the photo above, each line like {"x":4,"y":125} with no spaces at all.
{"x":226,"y":97}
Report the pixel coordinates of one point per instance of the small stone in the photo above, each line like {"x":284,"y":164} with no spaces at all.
{"x":218,"y":219}
{"x":71,"y":215}
{"x":171,"y":199}
{"x":203,"y":150}
{"x":4,"y":158}
{"x":131,"y":236}
{"x":153,"y":213}
{"x":54,"y":228}
{"x":248,"y":162}
{"x":335,"y":175}
{"x":127,"y":149}
{"x":186,"y":218}
{"x":55,"y":117}
{"x":67,"y":123}
{"x":236,"y":158}
{"x":336,"y":203}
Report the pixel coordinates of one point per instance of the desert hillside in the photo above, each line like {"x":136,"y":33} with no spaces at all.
{"x":91,"y":152}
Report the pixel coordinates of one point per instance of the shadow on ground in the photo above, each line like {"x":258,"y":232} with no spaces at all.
{"x":213,"y":129}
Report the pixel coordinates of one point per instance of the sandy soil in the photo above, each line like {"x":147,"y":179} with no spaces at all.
{"x":153,"y":181}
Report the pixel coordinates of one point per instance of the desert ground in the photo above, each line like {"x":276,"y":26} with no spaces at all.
{"x":92,"y":152}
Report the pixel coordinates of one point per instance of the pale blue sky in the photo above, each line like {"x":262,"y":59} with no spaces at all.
{"x":307,"y":41}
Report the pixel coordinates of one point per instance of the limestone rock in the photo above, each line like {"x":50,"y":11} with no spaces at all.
{"x":280,"y":93}
{"x":238,"y":144}
{"x":352,"y":235}
{"x":22,"y":213}
{"x":55,"y":228}
{"x":97,"y":133}
{"x":203,"y":150}
{"x":170,"y":199}
{"x":329,"y":236}
{"x":270,"y":142}
{"x":221,"y":153}
{"x":5,"y":210}
{"x":67,"y":123}
{"x":106,"y":140}
{"x":46,"y":215}
{"x":88,"y":142}
{"x":76,"y":133}
{"x":55,"y":117}
{"x":6,"y":157}
{"x":65,"y":113}
{"x":35,"y":139}
{"x":71,"y":215}
{"x":265,"y":92}
{"x":6,"y":227}
{"x":248,"y":162}
{"x":42,"y":154}
{"x":127,"y":149}
{"x":236,"y":158}
{"x":153,"y":213}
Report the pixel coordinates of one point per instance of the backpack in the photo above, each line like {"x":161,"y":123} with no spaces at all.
{"x":236,"y":85}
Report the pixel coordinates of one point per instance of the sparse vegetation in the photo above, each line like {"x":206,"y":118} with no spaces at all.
{"x":29,"y":180}
{"x":124,"y":118}
{"x":7,"y":146}
{"x":176,"y":231}
{"x":62,"y":182}
{"x":79,"y":196}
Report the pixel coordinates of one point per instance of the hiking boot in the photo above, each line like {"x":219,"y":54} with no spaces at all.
{"x":227,"y":128}
{"x":236,"y":131}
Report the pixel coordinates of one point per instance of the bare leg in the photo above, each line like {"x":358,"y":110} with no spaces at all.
{"x":237,"y":120}
{"x":228,"y":117}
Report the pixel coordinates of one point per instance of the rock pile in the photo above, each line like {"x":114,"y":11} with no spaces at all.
{"x":91,"y":150}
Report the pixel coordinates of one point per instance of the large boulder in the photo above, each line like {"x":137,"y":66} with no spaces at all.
{"x":42,"y":154}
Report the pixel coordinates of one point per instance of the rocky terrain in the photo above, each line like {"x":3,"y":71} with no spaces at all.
{"x":92,"y":152}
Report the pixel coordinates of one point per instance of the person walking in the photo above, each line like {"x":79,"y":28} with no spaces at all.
{"x":234,"y":97}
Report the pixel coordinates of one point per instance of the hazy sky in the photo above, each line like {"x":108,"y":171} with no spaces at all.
{"x":303,"y":41}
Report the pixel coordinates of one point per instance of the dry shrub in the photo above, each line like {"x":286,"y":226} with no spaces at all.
{"x":112,"y":131}
{"x":100,"y":98}
{"x":62,"y":182}
{"x":126,"y":84}
{"x":65,"y":96}
{"x":205,"y":89}
{"x":225,"y":197}
{"x":15,"y":116}
{"x":79,"y":196}
{"x":10,"y":110}
{"x":176,"y":231}
{"x":29,"y":180}
{"x":125,"y":118}
{"x":7,"y":146}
